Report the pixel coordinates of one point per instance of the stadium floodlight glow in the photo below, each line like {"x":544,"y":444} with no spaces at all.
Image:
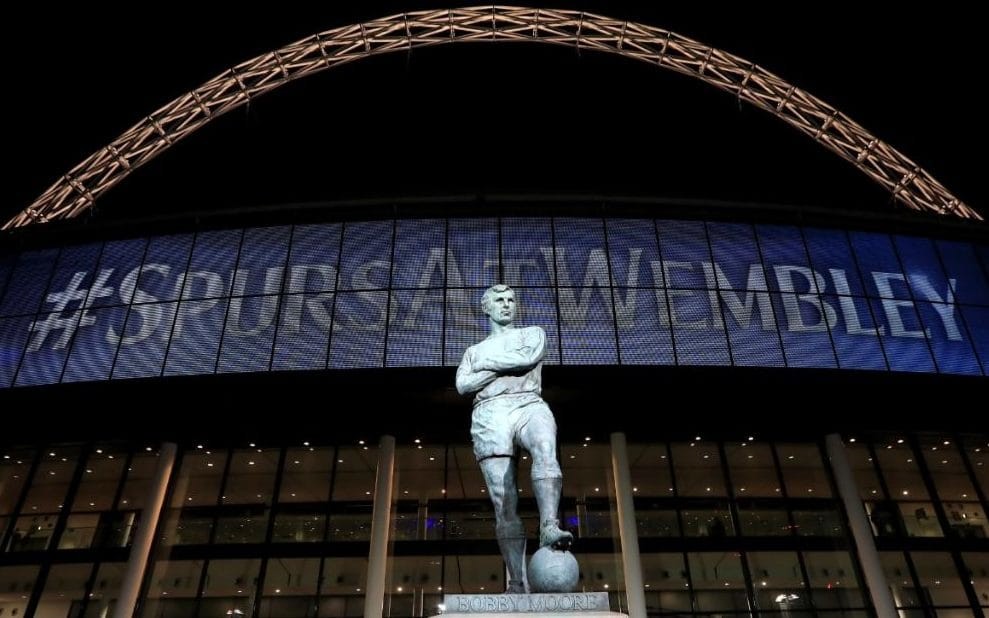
{"x":77,"y":191}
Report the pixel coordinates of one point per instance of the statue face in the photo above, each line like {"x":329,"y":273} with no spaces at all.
{"x":501,"y":307}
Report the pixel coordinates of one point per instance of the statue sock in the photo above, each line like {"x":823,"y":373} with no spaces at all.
{"x":548,"y":498}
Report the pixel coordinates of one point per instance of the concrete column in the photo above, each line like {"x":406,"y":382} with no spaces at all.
{"x":374,"y":598}
{"x":627,"y":529}
{"x":865,"y":544}
{"x":140,"y":551}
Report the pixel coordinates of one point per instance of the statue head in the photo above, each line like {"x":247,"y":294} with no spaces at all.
{"x":498,"y":303}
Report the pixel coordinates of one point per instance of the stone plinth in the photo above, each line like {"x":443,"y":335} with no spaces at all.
{"x":582,"y":604}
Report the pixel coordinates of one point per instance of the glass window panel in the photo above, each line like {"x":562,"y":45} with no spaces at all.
{"x":713,"y":520}
{"x":248,"y":334}
{"x":172,"y":589}
{"x":756,"y":521}
{"x":104,"y":471}
{"x":920,"y":519}
{"x":80,"y":531}
{"x":410,"y":579}
{"x":303,"y":336}
{"x":697,"y":466}
{"x":962,"y":265}
{"x":833,"y":581}
{"x":27,"y":283}
{"x":665,"y":579}
{"x":190,"y":520}
{"x":51,"y":481}
{"x":717,"y":581}
{"x":420,"y":472}
{"x":14,"y":467}
{"x":359,"y":330}
{"x":230,"y":586}
{"x":342,"y":588}
{"x":106,"y":590}
{"x":290,"y":587}
{"x":649,"y":468}
{"x":586,"y":479}
{"x":939,"y":578}
{"x":473,"y":253}
{"x":753,"y":472}
{"x":898,"y":577}
{"x":465,"y":478}
{"x":247,"y":496}
{"x":600,"y":573}
{"x":139,"y":477}
{"x":365,"y":263}
{"x":306,"y":477}
{"x":778,"y":581}
{"x":64,"y":589}
{"x":900,"y":470}
{"x":977,"y":564}
{"x":527,"y":252}
{"x":819,"y":522}
{"x":18,"y":582}
{"x":803,"y":471}
{"x":944,"y":461}
{"x":977,"y":450}
{"x":32,"y":532}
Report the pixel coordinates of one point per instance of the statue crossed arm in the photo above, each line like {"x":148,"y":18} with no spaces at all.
{"x":505,"y":373}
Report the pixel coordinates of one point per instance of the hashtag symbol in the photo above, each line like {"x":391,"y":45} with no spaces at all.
{"x":68,"y":322}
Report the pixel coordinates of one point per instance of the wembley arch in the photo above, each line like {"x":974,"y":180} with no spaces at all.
{"x":77,"y":190}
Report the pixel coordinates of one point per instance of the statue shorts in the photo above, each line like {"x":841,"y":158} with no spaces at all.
{"x":502,"y":424}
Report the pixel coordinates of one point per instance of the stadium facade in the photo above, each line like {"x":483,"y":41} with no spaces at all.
{"x":253,"y":413}
{"x":276,"y":348}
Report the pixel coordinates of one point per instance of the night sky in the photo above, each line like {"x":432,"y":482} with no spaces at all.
{"x":486,"y":119}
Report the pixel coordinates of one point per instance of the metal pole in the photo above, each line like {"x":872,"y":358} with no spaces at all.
{"x":374,"y":598}
{"x":627,"y":530}
{"x":141,"y":550}
{"x":865,"y":544}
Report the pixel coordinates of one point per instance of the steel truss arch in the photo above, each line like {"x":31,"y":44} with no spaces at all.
{"x":77,"y":190}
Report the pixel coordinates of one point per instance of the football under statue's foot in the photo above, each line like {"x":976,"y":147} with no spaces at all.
{"x":550,"y":535}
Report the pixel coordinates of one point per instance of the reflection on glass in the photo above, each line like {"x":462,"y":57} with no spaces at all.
{"x":763,"y":522}
{"x":290,"y":587}
{"x":803,"y":471}
{"x":714,"y":521}
{"x":229,"y":588}
{"x":833,"y":581}
{"x":665,"y":579}
{"x":717,"y":581}
{"x":899,"y":580}
{"x":697,"y":466}
{"x":64,"y":588}
{"x":818,"y":523}
{"x":173,"y":588}
{"x":919,"y":519}
{"x":753,"y":472}
{"x":939,"y":579}
{"x":778,"y":581}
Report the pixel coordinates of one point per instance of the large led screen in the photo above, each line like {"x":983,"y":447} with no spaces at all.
{"x":406,"y":293}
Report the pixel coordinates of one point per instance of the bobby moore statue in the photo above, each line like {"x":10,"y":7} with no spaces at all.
{"x":505,"y":374}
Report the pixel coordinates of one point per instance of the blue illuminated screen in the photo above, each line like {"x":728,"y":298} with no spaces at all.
{"x":406,"y":292}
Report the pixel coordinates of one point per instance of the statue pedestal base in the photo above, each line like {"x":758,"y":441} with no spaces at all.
{"x":576,"y":604}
